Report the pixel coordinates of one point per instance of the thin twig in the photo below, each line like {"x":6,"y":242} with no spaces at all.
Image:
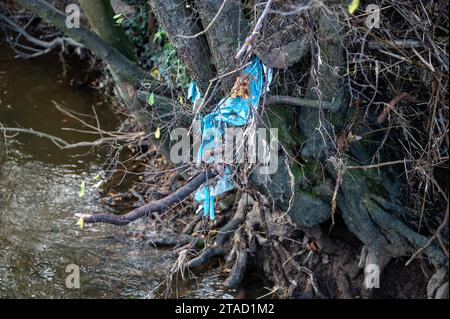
{"x":63,"y":144}
{"x":207,"y":27}
{"x":430,"y":241}
{"x":403,"y":161}
{"x":250,"y":41}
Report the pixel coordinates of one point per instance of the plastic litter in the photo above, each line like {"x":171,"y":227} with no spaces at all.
{"x":236,"y":110}
{"x":193,"y":92}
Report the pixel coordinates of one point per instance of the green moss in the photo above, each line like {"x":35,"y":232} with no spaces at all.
{"x":335,"y":119}
{"x":282,"y":117}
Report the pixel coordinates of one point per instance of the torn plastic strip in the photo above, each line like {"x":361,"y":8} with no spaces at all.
{"x":193,"y":92}
{"x":234,"y":111}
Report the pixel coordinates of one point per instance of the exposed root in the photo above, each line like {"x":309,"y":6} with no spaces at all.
{"x":205,"y":257}
{"x":400,"y":97}
{"x":373,"y":259}
{"x":191,"y":226}
{"x":238,"y":271}
{"x":438,"y":284}
{"x":162,"y":240}
{"x":223,"y":235}
{"x":437,"y":235}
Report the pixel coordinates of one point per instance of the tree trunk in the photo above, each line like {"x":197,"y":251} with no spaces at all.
{"x":178,"y":21}
{"x":226,"y":28}
{"x":100,"y":15}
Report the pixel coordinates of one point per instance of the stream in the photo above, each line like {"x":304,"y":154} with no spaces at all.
{"x":39,"y":196}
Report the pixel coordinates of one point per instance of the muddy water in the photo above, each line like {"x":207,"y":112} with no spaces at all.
{"x":39,"y":188}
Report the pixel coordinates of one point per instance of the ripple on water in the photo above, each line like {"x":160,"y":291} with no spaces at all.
{"x":39,"y":238}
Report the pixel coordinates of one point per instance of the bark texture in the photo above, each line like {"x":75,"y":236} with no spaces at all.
{"x":226,"y":27}
{"x":178,"y":20}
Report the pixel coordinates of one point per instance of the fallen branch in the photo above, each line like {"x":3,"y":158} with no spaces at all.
{"x":45,"y":45}
{"x":64,"y":145}
{"x":156,"y":206}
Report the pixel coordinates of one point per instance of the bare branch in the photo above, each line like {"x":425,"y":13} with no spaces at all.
{"x":297,"y":101}
{"x":63,"y":144}
{"x":156,"y":206}
{"x":207,"y":27}
{"x":250,"y":41}
{"x":47,"y":46}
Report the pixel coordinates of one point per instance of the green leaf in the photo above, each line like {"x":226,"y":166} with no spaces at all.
{"x":353,"y":6}
{"x":200,"y":243}
{"x":82,"y":189}
{"x":80,"y":222}
{"x":120,"y":20}
{"x":159,"y":35}
{"x":151,"y":99}
{"x":117,"y":16}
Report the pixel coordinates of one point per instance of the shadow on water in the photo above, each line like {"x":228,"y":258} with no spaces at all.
{"x":39,"y":186}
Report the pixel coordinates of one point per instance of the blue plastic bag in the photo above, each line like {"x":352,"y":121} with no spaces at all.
{"x":234,"y":111}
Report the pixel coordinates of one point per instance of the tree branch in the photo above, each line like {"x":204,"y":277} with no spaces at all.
{"x":296,"y":101}
{"x":156,"y":206}
{"x":250,"y":41}
{"x":45,"y":45}
{"x":100,"y":15}
{"x":126,"y":69}
{"x":64,"y":145}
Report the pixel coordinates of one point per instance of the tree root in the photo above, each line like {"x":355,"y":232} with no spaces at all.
{"x":373,"y":259}
{"x":191,"y":226}
{"x":438,"y":284}
{"x":205,"y":257}
{"x":238,"y":271}
{"x":223,"y":235}
{"x":162,"y":240}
